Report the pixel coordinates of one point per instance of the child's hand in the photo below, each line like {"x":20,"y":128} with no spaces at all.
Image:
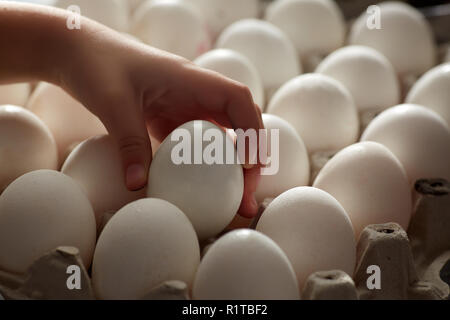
{"x":124,"y":82}
{"x":128,"y":85}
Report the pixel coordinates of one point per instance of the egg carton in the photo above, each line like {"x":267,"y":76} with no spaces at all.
{"x":413,"y":265}
{"x":47,"y":278}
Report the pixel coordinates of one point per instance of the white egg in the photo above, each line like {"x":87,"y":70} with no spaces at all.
{"x":221,"y":13}
{"x":112,"y":13}
{"x":39,"y":212}
{"x":237,"y":67}
{"x":321,"y":110}
{"x":404,"y":37}
{"x":417,"y":136}
{"x":16,"y":94}
{"x":144,"y":244}
{"x":316,"y":27}
{"x":26,"y":144}
{"x":96,"y":165}
{"x":432,"y":90}
{"x":313,"y":229}
{"x":173,"y":26}
{"x":289,"y":155}
{"x":370,"y":183}
{"x":245,"y":265}
{"x":68,"y":120}
{"x":267,"y":47}
{"x":210,"y":191}
{"x":366,"y":73}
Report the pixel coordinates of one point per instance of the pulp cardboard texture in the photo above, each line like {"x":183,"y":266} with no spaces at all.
{"x":169,"y":290}
{"x":329,"y":285}
{"x":47,"y":278}
{"x":318,"y":160}
{"x":411,"y":267}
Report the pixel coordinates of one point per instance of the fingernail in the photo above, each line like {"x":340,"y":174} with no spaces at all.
{"x":136,"y":177}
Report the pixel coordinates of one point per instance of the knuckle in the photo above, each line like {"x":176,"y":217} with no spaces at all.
{"x":245,"y":91}
{"x":132,"y":144}
{"x":113,"y":105}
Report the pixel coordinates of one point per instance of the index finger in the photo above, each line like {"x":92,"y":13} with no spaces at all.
{"x":224,"y":95}
{"x":221,"y":94}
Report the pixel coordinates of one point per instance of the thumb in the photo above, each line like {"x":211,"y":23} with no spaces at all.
{"x":127,"y":127}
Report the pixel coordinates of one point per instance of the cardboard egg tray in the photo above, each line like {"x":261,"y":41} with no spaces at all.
{"x":412,"y":265}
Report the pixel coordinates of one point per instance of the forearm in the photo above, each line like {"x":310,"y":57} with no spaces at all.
{"x":34,"y":42}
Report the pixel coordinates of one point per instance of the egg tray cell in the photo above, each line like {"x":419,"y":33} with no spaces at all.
{"x":413,"y":265}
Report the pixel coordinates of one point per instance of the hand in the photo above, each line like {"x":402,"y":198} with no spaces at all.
{"x":131,"y":86}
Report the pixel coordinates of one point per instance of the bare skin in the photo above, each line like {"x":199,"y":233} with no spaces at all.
{"x":131,"y":87}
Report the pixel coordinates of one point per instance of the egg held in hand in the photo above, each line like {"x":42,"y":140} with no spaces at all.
{"x":191,"y":170}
